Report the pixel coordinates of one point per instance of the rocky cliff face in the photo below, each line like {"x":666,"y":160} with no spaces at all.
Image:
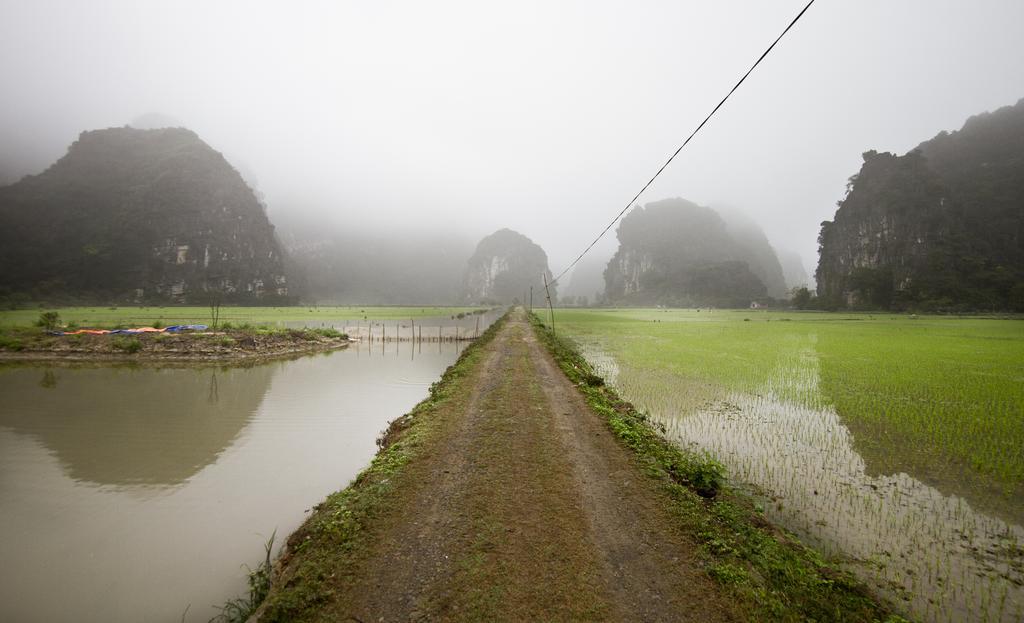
{"x":138,"y":215}
{"x":503,"y":267}
{"x":879,"y":240}
{"x":676,"y":252}
{"x":941,"y":227}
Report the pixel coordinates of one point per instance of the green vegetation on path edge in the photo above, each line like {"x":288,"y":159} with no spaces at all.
{"x":329,"y":541}
{"x":770,"y":571}
{"x":770,"y":574}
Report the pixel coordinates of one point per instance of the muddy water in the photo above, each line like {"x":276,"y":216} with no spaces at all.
{"x":137,"y":494}
{"x":927,"y":549}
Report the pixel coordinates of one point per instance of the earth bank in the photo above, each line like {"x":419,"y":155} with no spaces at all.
{"x":524,"y":489}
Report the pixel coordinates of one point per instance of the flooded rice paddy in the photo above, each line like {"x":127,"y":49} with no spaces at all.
{"x":139,"y":493}
{"x":939,"y":550}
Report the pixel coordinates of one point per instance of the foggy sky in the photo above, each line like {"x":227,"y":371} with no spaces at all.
{"x":545,"y":117}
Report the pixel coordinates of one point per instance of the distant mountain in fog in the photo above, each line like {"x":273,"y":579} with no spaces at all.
{"x":586,"y":280}
{"x":335,"y":264}
{"x":503,"y":267}
{"x":7,"y":174}
{"x":330,"y":263}
{"x":138,"y":215}
{"x":793,"y":269}
{"x":676,"y":252}
{"x":754,"y":248}
{"x":941,"y":227}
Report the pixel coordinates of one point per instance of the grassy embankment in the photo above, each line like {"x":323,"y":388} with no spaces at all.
{"x":928,"y":395}
{"x":333,"y":538}
{"x":44,"y":341}
{"x":241,"y":332}
{"x":773,"y":576}
{"x":230,"y":343}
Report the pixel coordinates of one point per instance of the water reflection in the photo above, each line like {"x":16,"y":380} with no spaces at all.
{"x":922,"y":546}
{"x":125,"y":426}
{"x":49,"y":380}
{"x":133,"y":494}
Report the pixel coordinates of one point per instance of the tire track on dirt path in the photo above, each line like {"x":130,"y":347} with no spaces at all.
{"x":418,"y":556}
{"x":654,"y":573}
{"x":521,"y":506}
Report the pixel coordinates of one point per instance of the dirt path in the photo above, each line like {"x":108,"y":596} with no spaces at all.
{"x":526,"y":509}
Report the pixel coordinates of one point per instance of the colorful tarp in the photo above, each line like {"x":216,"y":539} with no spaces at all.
{"x":171,"y":329}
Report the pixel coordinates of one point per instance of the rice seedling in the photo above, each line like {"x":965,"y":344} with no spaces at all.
{"x":875,"y":438}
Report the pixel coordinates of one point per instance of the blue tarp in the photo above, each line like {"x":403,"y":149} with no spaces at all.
{"x":186,"y":327}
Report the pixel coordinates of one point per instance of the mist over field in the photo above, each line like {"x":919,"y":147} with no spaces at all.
{"x":483,"y":311}
{"x":460,"y":118}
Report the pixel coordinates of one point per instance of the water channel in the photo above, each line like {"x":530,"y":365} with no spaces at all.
{"x":140,"y":493}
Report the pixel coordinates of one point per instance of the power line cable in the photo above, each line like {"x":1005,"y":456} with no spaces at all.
{"x":688,"y":139}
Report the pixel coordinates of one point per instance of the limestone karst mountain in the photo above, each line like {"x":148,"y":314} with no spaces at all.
{"x":138,"y":215}
{"x":675,"y":252}
{"x":941,"y":227}
{"x":503,"y":267}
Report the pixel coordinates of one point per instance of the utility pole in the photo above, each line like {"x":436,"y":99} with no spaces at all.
{"x":551,"y":308}
{"x":531,"y":299}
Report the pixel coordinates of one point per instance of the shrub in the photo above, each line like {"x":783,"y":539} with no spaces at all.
{"x":706,"y":475}
{"x":48,"y":320}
